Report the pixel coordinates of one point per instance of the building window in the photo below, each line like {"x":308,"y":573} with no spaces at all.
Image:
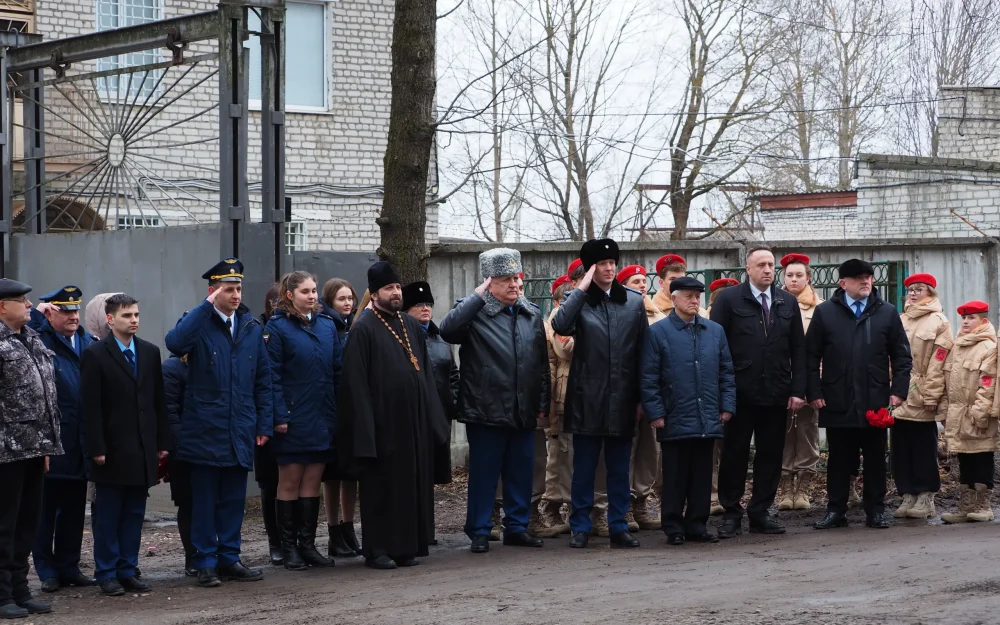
{"x":295,"y":236}
{"x":306,"y":56}
{"x":131,"y":223}
{"x":112,"y":14}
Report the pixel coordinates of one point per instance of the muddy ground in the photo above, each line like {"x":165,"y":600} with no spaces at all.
{"x":914,"y":572}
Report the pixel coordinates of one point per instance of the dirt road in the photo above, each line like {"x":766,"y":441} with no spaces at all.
{"x":911,"y":573}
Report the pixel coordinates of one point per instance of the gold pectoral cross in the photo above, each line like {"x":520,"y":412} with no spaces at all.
{"x":413,"y":359}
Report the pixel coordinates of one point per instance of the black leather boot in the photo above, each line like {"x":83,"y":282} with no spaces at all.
{"x":337,"y":547}
{"x":267,"y":498}
{"x":309,"y":519}
{"x":288,"y":528}
{"x":350,"y":538}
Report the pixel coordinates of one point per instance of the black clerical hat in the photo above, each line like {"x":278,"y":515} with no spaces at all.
{"x":381,"y":274}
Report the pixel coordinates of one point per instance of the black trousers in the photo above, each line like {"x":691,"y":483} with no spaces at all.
{"x":687,"y":479}
{"x":60,"y":529}
{"x":845,"y":445}
{"x":766,"y":426}
{"x":21,"y":486}
{"x":976,"y":468}
{"x":914,"y":457}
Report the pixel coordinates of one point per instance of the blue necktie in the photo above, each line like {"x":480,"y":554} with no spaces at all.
{"x":130,"y":357}
{"x":857,"y":309}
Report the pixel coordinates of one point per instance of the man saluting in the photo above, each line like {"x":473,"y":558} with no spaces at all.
{"x":390,"y":420}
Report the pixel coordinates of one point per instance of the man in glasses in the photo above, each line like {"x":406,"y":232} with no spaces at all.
{"x":29,"y":433}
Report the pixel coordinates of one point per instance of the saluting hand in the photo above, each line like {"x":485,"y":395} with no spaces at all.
{"x":587,"y":279}
{"x":213,"y":296}
{"x":482,"y":288}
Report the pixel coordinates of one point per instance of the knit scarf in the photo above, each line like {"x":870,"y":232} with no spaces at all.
{"x":982,"y":333}
{"x":922,"y":309}
{"x":662,"y":301}
{"x":807,"y":297}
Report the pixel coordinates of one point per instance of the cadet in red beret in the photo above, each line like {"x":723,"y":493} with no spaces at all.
{"x":716,"y":287}
{"x":789,"y":259}
{"x":971,"y":424}
{"x":915,"y":435}
{"x":668,"y":268}
{"x":575,"y":271}
{"x":558,"y":282}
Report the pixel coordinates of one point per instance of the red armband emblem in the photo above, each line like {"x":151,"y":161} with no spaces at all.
{"x":941,"y":353}
{"x":987,"y":381}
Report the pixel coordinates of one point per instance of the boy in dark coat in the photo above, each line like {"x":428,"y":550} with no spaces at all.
{"x":688,"y":393}
{"x":128,"y":432}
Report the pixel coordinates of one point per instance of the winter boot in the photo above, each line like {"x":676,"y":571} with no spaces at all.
{"x":630,"y":520}
{"x":599,"y":523}
{"x":338,"y":547}
{"x":647,"y":520}
{"x":495,"y":519}
{"x":270,"y":514}
{"x":923,"y":508}
{"x":787,"y":487}
{"x":552,"y":518}
{"x":350,"y":538}
{"x":288,"y":528}
{"x":803,"y":489}
{"x":904,"y":508}
{"x":309,"y":519}
{"x":965,"y":506}
{"x":983,"y":504}
{"x":537,"y":527}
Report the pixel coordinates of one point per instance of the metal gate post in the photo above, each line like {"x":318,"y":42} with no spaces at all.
{"x":272,"y":128}
{"x":234,"y":65}
{"x":6,"y":177}
{"x":34,"y":152}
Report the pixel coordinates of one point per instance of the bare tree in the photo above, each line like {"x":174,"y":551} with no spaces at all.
{"x":951,"y":42}
{"x":728,"y":69}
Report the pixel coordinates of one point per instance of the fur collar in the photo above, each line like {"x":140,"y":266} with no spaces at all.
{"x":619,"y":294}
{"x":494,"y":306}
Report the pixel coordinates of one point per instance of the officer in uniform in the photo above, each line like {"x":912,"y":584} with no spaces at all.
{"x":56,"y":552}
{"x":227,"y":410}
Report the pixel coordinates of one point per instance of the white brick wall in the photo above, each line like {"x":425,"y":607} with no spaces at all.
{"x":342,"y":149}
{"x":969,"y":123}
{"x":838,"y":222}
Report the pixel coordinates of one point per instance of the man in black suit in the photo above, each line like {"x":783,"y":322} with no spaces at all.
{"x":764,"y":330}
{"x":125,"y":416}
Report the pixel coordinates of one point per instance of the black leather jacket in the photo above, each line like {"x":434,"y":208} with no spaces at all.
{"x":504,"y":362}
{"x":445,"y":370}
{"x":603,"y":390}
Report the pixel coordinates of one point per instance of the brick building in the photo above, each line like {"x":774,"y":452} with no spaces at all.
{"x":953,"y":195}
{"x":338,"y":93}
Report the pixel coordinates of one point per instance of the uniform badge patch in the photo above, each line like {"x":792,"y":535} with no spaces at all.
{"x":941,"y":353}
{"x":267,"y":335}
{"x":987,"y":381}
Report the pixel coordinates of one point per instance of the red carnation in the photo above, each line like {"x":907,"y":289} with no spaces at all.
{"x":881,"y":418}
{"x":162,"y":471}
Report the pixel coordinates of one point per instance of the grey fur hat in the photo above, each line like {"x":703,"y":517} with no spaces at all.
{"x":501,"y":261}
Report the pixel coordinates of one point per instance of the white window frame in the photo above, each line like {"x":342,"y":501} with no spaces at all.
{"x":256,"y":104}
{"x":103,"y":92}
{"x":296,"y":241}
{"x":132,"y":222}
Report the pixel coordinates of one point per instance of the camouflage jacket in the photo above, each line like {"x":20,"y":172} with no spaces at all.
{"x":29,"y":415}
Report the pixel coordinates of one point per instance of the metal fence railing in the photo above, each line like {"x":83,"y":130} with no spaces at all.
{"x":889,"y":277}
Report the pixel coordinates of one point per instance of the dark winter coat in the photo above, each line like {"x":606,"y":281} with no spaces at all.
{"x":343,"y":325}
{"x":864,"y":360}
{"x":687,"y":378}
{"x":446,"y":374}
{"x":770,"y":362}
{"x":228,"y":400}
{"x":305,"y":372}
{"x":175,"y":371}
{"x":71,"y":465}
{"x":125,"y":414}
{"x":29,"y":413}
{"x":504,"y":362}
{"x":603,"y":390}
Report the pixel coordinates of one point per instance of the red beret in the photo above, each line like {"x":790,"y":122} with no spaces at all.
{"x":973,"y":307}
{"x":631,"y":270}
{"x":573,"y":266}
{"x":922,"y":278}
{"x":722,"y":283}
{"x":788,"y":259}
{"x":558,"y":282}
{"x":669,"y":259}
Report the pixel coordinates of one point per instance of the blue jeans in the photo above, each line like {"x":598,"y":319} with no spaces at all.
{"x":60,"y":529}
{"x":117,"y":523}
{"x":617,"y":454}
{"x":496,"y":452}
{"x":218,"y":499}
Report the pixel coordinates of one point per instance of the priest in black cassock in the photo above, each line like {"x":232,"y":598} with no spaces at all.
{"x":389,"y":419}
